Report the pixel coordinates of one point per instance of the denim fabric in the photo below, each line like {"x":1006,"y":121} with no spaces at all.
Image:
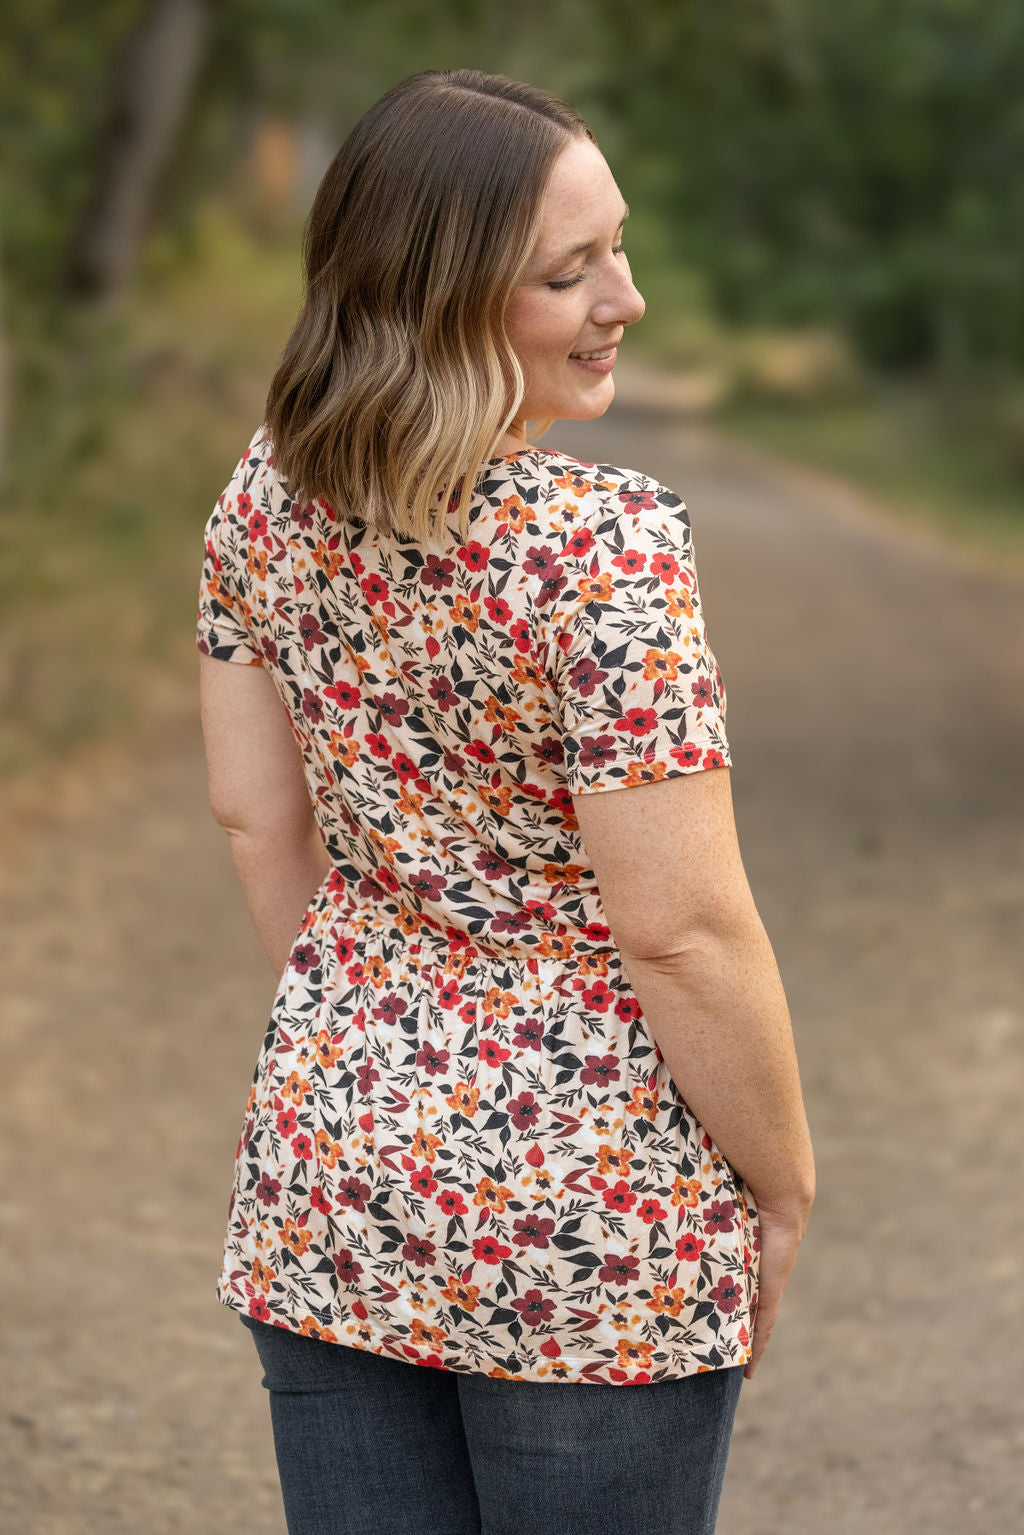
{"x":369,"y":1445}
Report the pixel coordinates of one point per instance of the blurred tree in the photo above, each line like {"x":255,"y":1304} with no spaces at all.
{"x":150,"y":87}
{"x":854,"y":165}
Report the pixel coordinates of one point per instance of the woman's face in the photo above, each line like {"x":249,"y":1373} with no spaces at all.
{"x":576,"y":294}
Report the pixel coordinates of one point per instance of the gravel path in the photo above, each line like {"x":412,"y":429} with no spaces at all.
{"x":875,"y":685}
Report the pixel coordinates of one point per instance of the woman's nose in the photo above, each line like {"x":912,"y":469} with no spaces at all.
{"x":623,"y":305}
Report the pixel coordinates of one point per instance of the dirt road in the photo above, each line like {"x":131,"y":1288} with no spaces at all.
{"x":875,"y":690}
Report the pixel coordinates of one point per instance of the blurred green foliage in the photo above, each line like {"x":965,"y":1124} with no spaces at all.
{"x":827,"y":224}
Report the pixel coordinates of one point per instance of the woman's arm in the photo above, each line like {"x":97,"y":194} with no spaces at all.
{"x":693,"y":946}
{"x":258,"y":794}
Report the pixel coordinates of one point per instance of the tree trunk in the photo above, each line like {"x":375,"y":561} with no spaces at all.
{"x":150,"y":92}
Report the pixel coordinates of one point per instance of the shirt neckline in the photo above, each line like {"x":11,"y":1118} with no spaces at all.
{"x":518,"y":453}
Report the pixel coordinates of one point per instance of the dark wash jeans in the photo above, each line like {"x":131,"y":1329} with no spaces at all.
{"x":369,"y":1445}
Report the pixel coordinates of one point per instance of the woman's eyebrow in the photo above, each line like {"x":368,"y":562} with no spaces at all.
{"x":578,"y":250}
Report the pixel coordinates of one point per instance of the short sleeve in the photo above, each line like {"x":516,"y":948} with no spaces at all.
{"x":221,"y":629}
{"x":640,"y":694}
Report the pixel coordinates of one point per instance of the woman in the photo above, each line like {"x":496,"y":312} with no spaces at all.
{"x":527,"y":1112}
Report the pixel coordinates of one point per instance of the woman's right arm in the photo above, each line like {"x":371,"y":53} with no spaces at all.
{"x":680,"y":910}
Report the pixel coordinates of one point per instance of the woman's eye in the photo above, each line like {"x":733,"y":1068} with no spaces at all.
{"x":570,"y":282}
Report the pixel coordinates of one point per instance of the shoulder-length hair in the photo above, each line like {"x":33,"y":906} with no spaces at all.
{"x":398,"y":379}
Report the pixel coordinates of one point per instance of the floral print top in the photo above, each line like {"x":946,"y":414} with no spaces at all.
{"x":461,"y":1146}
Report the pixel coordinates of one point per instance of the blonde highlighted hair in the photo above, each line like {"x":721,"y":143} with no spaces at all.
{"x":398,"y":379}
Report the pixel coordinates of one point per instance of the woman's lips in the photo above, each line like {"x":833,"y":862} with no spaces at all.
{"x":597,"y":364}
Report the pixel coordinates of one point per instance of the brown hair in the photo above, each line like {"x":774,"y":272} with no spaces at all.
{"x":398,"y":379}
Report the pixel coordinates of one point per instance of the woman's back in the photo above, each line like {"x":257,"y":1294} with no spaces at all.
{"x":460,"y":1147}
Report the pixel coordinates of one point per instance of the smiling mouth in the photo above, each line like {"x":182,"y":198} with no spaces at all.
{"x":592,"y":356}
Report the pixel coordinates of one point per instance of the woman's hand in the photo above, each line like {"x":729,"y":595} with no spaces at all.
{"x":781,"y":1235}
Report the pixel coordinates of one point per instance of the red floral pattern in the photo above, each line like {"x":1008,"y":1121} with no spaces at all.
{"x":461,"y":1146}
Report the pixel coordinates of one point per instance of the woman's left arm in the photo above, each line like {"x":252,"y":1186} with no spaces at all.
{"x":258,"y":794}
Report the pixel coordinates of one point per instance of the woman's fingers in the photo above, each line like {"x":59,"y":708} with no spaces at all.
{"x":780,"y":1241}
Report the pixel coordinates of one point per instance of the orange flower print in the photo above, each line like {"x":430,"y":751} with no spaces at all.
{"x":613,"y":1161}
{"x":458,"y":1293}
{"x":296,"y":1237}
{"x":666,"y":1301}
{"x":634,"y":1355}
{"x":311,"y":1328}
{"x":426,"y":1145}
{"x":427,"y":1337}
{"x":643,"y":1104}
{"x":297,"y":1088}
{"x":686,"y":1191}
{"x":492,"y":1195}
{"x":465,"y":1099}
{"x":327,"y":1150}
{"x":661,"y":663}
{"x":327,"y":1052}
{"x":261,"y":1274}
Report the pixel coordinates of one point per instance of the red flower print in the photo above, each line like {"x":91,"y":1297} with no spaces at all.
{"x":268,"y":1190}
{"x":541,"y":560}
{"x":650,"y":1210}
{"x":287,"y":1123}
{"x":631,"y":561}
{"x":436,"y":573}
{"x":366,"y":1075}
{"x":452,"y":1202}
{"x":701,"y":690}
{"x":524,"y":1111}
{"x":529,"y":1034}
{"x":302,"y":1147}
{"x":534,"y":1308}
{"x":718,"y":1215}
{"x":352,"y":1193}
{"x":621,"y":1197}
{"x":419,"y":1250}
{"x":259,"y":1309}
{"x":304,"y":957}
{"x":348,"y":1270}
{"x":639,"y":722}
{"x":586,"y":676}
{"x":433,"y":1060}
{"x":642,"y":499}
{"x":310,"y":631}
{"x":600,"y":1070}
{"x":597,"y":751}
{"x":688,"y":754}
{"x":533,"y":1230}
{"x":726,"y":1294}
{"x":318,"y":1199}
{"x":490,"y":1250}
{"x":666,"y":566}
{"x":713,"y":758}
{"x":690,"y":1247}
{"x":619,"y":1269}
{"x":474,"y":556}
